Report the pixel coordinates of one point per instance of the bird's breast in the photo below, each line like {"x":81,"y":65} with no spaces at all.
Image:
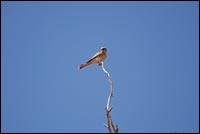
{"x":100,"y":58}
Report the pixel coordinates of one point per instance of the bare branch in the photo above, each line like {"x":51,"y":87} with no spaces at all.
{"x":108,"y":108}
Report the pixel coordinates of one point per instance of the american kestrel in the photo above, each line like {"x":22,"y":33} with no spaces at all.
{"x":96,"y":59}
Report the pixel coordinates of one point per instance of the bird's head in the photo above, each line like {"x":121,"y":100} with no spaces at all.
{"x":103,"y":48}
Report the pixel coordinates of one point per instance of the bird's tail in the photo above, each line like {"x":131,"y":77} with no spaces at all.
{"x":83,"y":65}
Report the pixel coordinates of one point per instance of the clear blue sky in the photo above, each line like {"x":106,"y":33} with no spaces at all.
{"x":153,"y":60}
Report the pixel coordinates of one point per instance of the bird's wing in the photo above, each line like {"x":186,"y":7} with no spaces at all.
{"x":94,"y":56}
{"x":98,"y":53}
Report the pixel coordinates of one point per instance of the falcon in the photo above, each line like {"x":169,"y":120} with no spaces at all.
{"x":98,"y":58}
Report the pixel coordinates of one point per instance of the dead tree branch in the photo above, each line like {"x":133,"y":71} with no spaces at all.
{"x":111,"y":127}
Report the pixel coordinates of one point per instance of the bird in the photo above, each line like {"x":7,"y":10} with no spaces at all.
{"x":97,"y":58}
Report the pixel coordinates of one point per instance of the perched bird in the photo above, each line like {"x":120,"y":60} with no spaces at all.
{"x":96,"y":59}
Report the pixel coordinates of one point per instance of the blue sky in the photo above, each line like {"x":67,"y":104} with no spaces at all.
{"x":153,"y":60}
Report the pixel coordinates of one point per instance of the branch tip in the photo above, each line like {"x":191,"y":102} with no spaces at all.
{"x":105,"y":125}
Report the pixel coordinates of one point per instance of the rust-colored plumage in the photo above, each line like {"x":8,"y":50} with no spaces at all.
{"x":96,"y":59}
